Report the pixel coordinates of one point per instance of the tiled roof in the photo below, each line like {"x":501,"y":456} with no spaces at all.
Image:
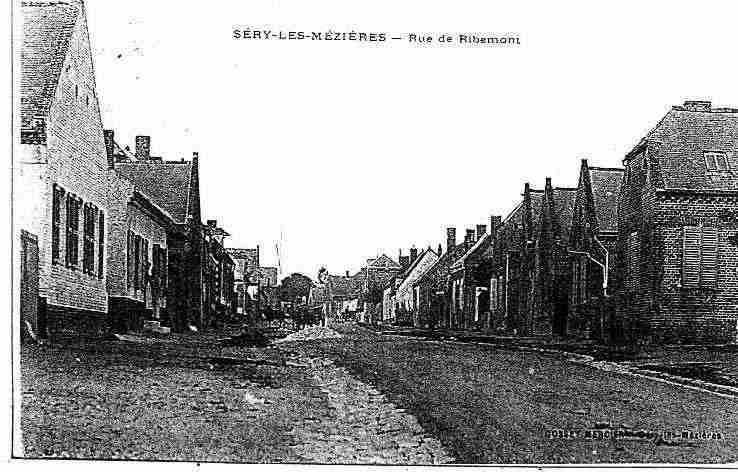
{"x":684,"y":135}
{"x":564,"y":199}
{"x":342,"y":286}
{"x":482,"y":242}
{"x":605,"y":191}
{"x":47,"y":30}
{"x":442,"y":266}
{"x":383,"y":261}
{"x":167,"y":183}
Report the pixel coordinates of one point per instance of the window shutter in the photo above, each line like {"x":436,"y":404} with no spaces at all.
{"x":155,"y":269}
{"x":137,"y":262}
{"x":131,"y":256}
{"x":709,"y":266}
{"x":101,"y":247}
{"x":56,"y":204}
{"x":634,"y":260}
{"x":493,"y":294}
{"x":691,"y":256}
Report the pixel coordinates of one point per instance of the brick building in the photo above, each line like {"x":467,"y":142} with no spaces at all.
{"x":61,"y":173}
{"x":246,"y":263}
{"x":592,"y":248}
{"x":174,"y":186}
{"x":677,"y":254}
{"x":548,"y":301}
{"x":512,"y":263}
{"x":218,"y":277}
{"x":433,"y":289}
{"x":372,"y":279}
{"x":471,"y":279}
{"x":137,"y":267}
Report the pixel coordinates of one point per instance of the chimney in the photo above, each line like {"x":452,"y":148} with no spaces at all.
{"x":481,"y":231}
{"x":494,"y":223}
{"x":109,"y":136}
{"x":404,"y":262}
{"x":143,"y":147}
{"x":347,"y":274}
{"x":469,"y":239}
{"x":450,"y":239}
{"x":697,"y":105}
{"x":213,"y":223}
{"x":440,"y":250}
{"x":413,"y":254}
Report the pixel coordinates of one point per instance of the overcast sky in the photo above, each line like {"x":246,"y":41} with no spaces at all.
{"x":351,"y":150}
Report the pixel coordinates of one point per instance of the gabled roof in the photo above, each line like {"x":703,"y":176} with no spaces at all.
{"x":482,"y":242}
{"x":684,"y":135}
{"x":605,"y":191}
{"x":383,"y":262}
{"x":342,"y":286}
{"x":167,"y":183}
{"x":47,"y":31}
{"x":442,"y":265}
{"x":564,"y":199}
{"x":415,"y":263}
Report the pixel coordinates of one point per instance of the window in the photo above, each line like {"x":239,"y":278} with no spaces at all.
{"x":137,"y":272}
{"x":130,"y":257}
{"x":56,"y":203}
{"x":493,"y":295}
{"x":716,"y":161}
{"x":101,"y":247}
{"x":88,"y":254}
{"x":700,"y":257}
{"x":73,"y":206}
{"x":633,"y":260}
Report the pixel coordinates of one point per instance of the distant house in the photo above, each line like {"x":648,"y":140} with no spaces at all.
{"x":592,"y":248}
{"x":677,"y":253}
{"x":433,"y":288}
{"x":471,"y":279}
{"x":174,"y":186}
{"x":407,"y":295}
{"x":218,"y":282}
{"x":61,"y":175}
{"x":371,"y":282}
{"x":246,"y":263}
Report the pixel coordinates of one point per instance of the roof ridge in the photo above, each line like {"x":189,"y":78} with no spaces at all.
{"x":617,"y":169}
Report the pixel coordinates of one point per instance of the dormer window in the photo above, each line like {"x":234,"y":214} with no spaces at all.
{"x":716,"y":161}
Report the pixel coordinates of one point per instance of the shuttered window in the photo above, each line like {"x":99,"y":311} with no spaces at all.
{"x":634,"y":260}
{"x":72,"y":243}
{"x":493,"y":294}
{"x":136,"y":262}
{"x":163,"y":267}
{"x":145,"y":260}
{"x":700,"y":257}
{"x":101,"y":246}
{"x":88,"y":245}
{"x":56,"y":204}
{"x":130,"y":258}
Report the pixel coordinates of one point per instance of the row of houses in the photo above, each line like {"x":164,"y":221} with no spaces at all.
{"x":645,"y":253}
{"x":109,"y":237}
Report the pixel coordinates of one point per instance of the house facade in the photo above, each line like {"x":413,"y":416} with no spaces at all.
{"x":433,"y":288}
{"x":471,"y":279}
{"x":548,"y":301}
{"x":677,"y":250}
{"x":61,"y":174}
{"x":218,"y":282}
{"x":512,"y":264}
{"x":174,"y":186}
{"x":592,"y":249}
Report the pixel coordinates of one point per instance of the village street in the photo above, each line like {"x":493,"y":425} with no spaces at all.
{"x":361,"y":398}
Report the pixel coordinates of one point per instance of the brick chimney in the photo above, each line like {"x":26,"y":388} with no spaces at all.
{"x":495,"y":222}
{"x":347,"y":274}
{"x":698,"y":105}
{"x":450,"y":239}
{"x":469,"y":238}
{"x":213,"y":223}
{"x":413,"y":254}
{"x":143,"y":147}
{"x":440,"y":250}
{"x":481,"y":231}
{"x":109,"y":136}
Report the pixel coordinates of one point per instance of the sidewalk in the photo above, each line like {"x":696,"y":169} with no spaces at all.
{"x":715,"y":364}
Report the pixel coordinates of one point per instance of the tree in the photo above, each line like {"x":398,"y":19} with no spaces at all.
{"x":295,"y":287}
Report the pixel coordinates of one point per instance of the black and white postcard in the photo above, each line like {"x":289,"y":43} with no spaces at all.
{"x":382,"y":233}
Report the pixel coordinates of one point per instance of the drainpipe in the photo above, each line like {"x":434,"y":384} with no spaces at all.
{"x":604,"y":266}
{"x":607,"y":266}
